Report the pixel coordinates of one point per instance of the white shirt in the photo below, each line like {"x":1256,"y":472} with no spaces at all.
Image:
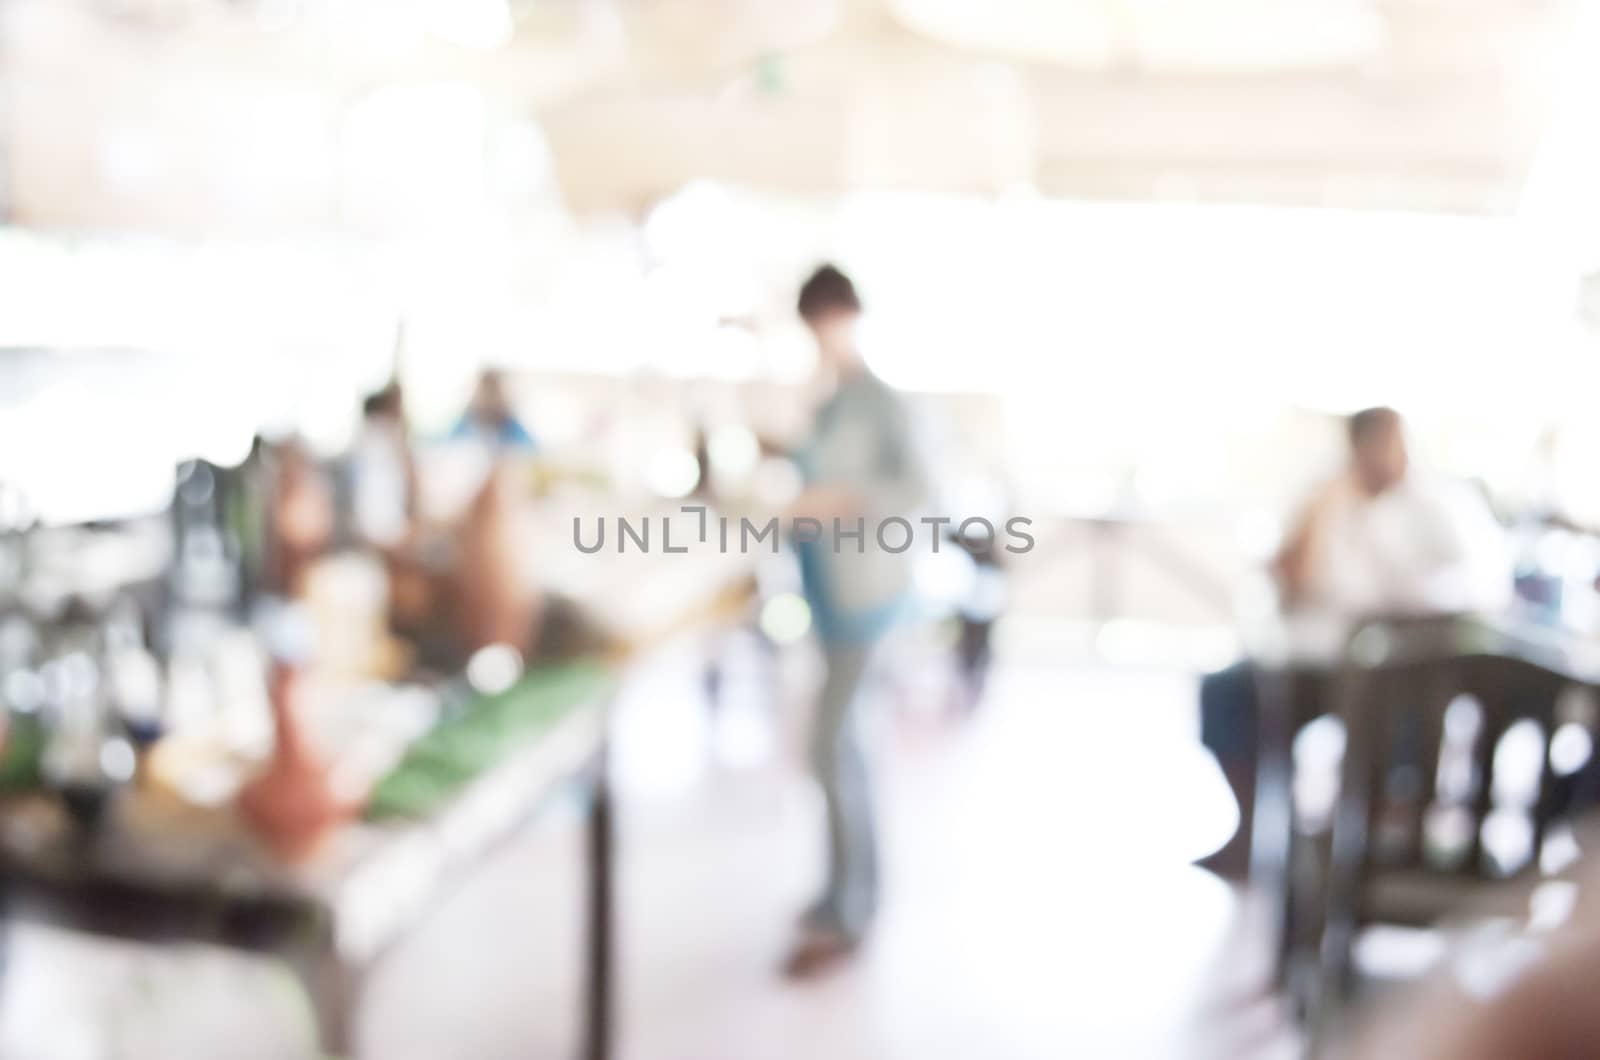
{"x":1425,"y":546}
{"x":378,"y":463}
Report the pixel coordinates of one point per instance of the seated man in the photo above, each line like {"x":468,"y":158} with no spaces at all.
{"x":1379,"y":539}
{"x":1383,"y":539}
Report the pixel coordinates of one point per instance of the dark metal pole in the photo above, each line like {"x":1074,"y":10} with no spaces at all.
{"x":601,"y":853}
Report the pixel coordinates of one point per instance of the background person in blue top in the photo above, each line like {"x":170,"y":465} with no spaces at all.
{"x":490,"y":419}
{"x":859,"y":464}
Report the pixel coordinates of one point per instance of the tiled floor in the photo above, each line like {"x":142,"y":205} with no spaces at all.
{"x":1039,"y":902}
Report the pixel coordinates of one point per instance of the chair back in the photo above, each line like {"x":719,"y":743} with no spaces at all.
{"x":1467,"y":752}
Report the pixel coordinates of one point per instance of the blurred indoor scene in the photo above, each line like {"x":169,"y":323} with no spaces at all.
{"x":753,"y":530}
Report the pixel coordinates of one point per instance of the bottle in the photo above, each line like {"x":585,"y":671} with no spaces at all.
{"x":83,"y":763}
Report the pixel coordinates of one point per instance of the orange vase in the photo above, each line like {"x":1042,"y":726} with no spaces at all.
{"x":292,"y":804}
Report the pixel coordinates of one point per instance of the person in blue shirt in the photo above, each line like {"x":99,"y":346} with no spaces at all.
{"x":860,"y":468}
{"x":489,"y":417}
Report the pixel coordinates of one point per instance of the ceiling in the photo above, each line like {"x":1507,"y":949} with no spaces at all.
{"x":197,"y":116}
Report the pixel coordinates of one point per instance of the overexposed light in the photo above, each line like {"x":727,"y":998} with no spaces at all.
{"x":786,"y":618}
{"x":1447,"y":834}
{"x":1462,"y":718}
{"x":286,"y":631}
{"x":1076,"y":34}
{"x":493,"y":669}
{"x":328,"y":423}
{"x":1258,"y":533}
{"x":274,"y":147}
{"x":1507,"y":837}
{"x":1136,"y":642}
{"x":734,"y":452}
{"x":1560,"y":849}
{"x":1318,"y":752}
{"x":946,"y":576}
{"x":384,"y":29}
{"x":662,"y":746}
{"x":1235,"y":286}
{"x":673,"y":472}
{"x":777,"y":482}
{"x":731,"y":352}
{"x":24,"y":691}
{"x":1518,"y":763}
{"x":136,"y":678}
{"x":1219,"y":36}
{"x":789,"y":355}
{"x":228,"y":446}
{"x":743,"y":733}
{"x":1551,"y":904}
{"x":131,"y":159}
{"x":1401,"y":952}
{"x":1570,"y":749}
{"x":698,"y":224}
{"x":1242,"y":35}
{"x":415,"y":158}
{"x":1558,"y":204}
{"x":482,"y":24}
{"x":1202,"y":820}
{"x":117,"y":760}
{"x":15,"y":512}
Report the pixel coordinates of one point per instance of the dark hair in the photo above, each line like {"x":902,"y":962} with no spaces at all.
{"x":1369,"y":422}
{"x":385,"y":402}
{"x":826,"y":291}
{"x":380,"y":402}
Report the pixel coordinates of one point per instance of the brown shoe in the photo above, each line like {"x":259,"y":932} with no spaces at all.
{"x":819,"y":952}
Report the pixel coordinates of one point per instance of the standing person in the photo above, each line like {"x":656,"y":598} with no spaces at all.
{"x":860,"y":468}
{"x":383,"y":472}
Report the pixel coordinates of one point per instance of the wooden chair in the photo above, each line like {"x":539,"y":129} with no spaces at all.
{"x":1432,"y":804}
{"x":1287,"y":861}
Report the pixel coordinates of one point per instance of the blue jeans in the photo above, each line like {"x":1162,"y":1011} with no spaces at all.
{"x":840,"y":760}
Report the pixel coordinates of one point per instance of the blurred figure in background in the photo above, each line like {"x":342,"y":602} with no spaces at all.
{"x":383,"y":471}
{"x":860,"y":467}
{"x":490,"y":419}
{"x":977,"y":615}
{"x":300,"y":519}
{"x":1382,"y":538}
{"x":385,"y":510}
{"x":1379,"y":539}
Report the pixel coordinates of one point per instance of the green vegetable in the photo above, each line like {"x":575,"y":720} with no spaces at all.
{"x":467,"y":744}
